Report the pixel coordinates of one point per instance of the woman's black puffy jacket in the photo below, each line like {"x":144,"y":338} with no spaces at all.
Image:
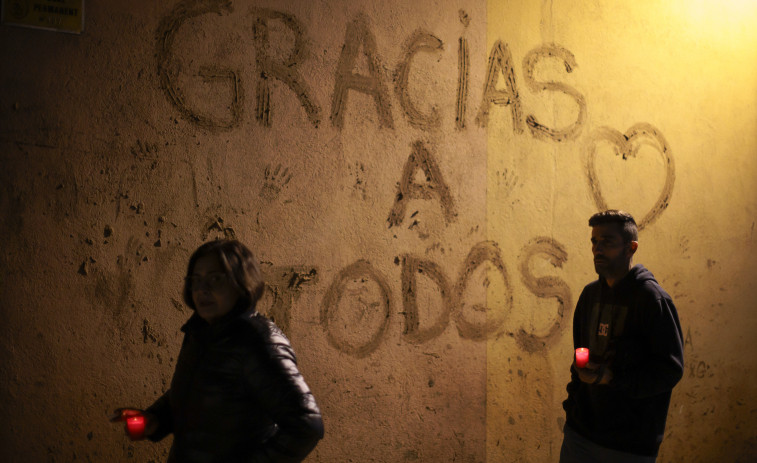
{"x":237,"y":395}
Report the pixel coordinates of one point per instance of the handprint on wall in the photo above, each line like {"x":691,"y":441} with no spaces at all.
{"x":275,"y":180}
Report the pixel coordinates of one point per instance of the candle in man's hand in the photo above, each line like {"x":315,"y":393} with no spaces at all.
{"x":582,"y":357}
{"x":135,"y":425}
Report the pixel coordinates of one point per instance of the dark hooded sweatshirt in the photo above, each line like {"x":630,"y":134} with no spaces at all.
{"x":633,"y":328}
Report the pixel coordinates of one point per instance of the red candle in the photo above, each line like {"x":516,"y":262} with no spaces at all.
{"x":136,"y":426}
{"x":582,"y":357}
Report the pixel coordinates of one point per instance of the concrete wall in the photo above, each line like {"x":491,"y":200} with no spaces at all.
{"x":416,"y":178}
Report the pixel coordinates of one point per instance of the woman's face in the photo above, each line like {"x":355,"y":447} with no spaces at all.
{"x":212,"y":292}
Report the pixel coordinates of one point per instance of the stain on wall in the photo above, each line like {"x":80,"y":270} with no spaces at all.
{"x":423,"y":246}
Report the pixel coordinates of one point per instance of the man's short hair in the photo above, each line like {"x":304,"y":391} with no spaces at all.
{"x":628,"y":228}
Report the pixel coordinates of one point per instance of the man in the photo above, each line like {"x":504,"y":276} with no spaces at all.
{"x":617,"y":404}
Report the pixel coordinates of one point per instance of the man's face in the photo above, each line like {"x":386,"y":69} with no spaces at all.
{"x":612,"y":257}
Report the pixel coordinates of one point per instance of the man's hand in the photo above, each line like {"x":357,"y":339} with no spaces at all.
{"x":590,"y":373}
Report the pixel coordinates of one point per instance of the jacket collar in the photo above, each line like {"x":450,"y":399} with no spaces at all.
{"x":197,"y":325}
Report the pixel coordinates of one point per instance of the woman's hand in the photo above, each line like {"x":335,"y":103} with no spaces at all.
{"x":135,"y":428}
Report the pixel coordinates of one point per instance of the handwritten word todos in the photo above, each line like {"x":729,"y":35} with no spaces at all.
{"x":359,"y":43}
{"x":358,"y":326}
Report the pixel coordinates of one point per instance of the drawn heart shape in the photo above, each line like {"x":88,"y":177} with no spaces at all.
{"x":628,"y":145}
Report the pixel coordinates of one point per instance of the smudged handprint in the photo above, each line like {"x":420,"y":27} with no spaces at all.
{"x":275,"y":180}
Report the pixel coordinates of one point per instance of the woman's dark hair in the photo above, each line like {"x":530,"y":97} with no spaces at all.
{"x":628,"y":229}
{"x":238,"y":262}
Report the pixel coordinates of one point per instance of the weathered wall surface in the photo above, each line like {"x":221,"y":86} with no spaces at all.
{"x":416,"y":179}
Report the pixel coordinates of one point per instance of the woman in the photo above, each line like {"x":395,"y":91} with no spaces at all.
{"x":236,"y":394}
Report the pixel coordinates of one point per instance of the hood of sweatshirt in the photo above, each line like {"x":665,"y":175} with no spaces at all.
{"x":636,"y":276}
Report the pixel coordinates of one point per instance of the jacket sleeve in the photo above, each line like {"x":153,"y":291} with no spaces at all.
{"x":657,"y":365}
{"x":162,"y":411}
{"x":288,"y":402}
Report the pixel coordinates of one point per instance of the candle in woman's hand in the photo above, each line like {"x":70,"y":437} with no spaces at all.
{"x":135,"y":425}
{"x":582,"y":357}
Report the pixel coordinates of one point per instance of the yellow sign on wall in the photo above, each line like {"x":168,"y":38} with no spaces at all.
{"x":58,"y":15}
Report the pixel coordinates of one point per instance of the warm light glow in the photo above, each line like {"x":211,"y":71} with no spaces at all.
{"x":733,"y":9}
{"x":727,"y":23}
